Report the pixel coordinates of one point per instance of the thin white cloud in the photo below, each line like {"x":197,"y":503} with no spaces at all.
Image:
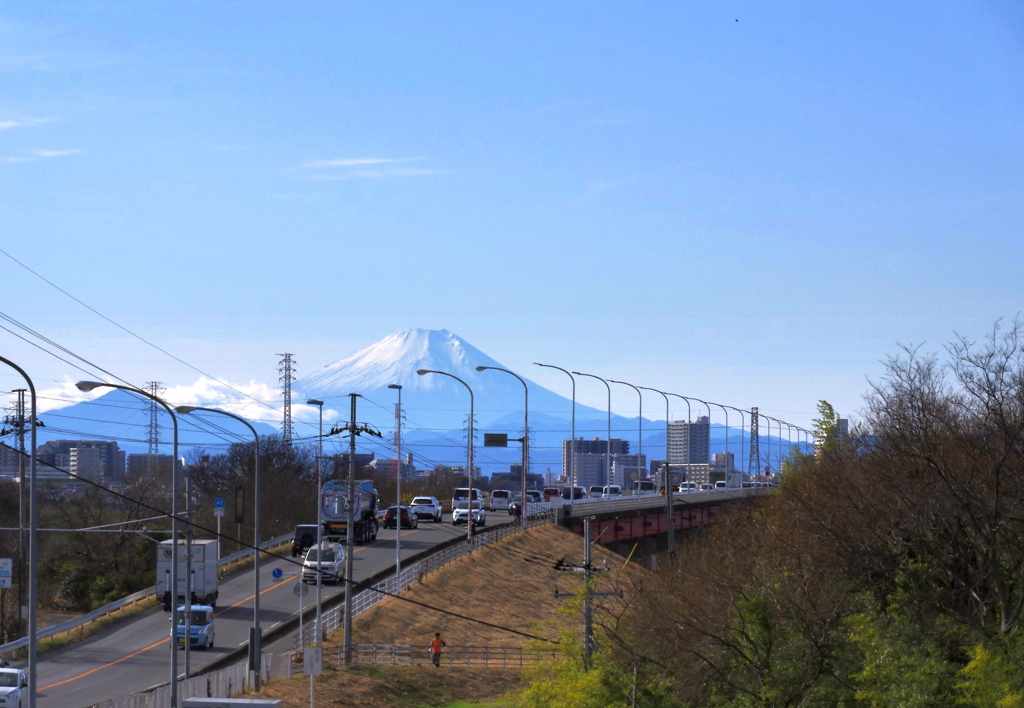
{"x":367,"y":174}
{"x":205,"y":393}
{"x":56,"y":153}
{"x":357,"y":162}
{"x":9,"y":160}
{"x":8,"y":124}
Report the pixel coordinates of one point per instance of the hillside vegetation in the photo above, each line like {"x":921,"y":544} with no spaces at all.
{"x":887,"y":571}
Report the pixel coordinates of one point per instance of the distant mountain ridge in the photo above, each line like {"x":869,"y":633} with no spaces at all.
{"x":435,"y":410}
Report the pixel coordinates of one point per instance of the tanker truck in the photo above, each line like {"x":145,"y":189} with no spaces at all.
{"x":335,"y":511}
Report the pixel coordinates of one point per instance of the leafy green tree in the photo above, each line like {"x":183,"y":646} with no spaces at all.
{"x":826,"y":427}
{"x":994,"y":678}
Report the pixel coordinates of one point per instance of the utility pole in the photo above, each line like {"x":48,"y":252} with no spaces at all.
{"x":350,"y":529}
{"x":588,"y":592}
{"x":17,"y":421}
{"x":287,"y":371}
{"x":755,"y":454}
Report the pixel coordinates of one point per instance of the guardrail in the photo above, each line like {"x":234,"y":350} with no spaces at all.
{"x":237,"y":678}
{"x":633,"y":502}
{"x":123,"y":602}
{"x":395,"y":584}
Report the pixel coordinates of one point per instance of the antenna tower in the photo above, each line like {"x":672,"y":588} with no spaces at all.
{"x":755,"y":453}
{"x":154,"y":388}
{"x":286,"y":370}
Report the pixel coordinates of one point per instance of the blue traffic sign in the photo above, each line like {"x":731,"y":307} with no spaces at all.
{"x":219,"y":502}
{"x":277,"y":573}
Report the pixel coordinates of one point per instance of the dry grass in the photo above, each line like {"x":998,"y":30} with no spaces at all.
{"x":510,"y":584}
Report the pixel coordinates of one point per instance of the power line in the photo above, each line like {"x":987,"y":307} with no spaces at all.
{"x":355,"y":584}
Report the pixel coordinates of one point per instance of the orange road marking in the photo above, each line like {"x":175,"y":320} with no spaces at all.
{"x":164,"y":641}
{"x":92,"y":671}
{"x":152,"y":646}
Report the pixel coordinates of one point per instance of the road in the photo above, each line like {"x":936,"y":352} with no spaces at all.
{"x":134,"y":655}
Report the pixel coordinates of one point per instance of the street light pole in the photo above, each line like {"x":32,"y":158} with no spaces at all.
{"x":398,"y":479}
{"x":319,"y":522}
{"x":469,"y":456}
{"x":526,"y":429}
{"x":608,"y":464}
{"x":668,"y":474}
{"x":640,"y":426}
{"x":572,"y":442}
{"x":726,"y":434}
{"x":91,"y":385}
{"x":256,"y":637}
{"x":32,"y":640}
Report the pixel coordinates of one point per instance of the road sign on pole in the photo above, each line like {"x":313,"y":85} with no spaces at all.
{"x":277,"y":573}
{"x":5,"y":572}
{"x":312,"y":661}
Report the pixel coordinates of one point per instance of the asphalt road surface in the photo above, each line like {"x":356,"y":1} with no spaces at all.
{"x":135,"y":655}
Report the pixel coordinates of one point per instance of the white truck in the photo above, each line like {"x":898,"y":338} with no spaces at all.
{"x":201,"y":588}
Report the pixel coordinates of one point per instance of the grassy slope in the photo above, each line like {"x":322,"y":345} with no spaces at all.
{"x":511,"y":583}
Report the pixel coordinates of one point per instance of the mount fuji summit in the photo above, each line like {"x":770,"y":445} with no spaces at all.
{"x":431,"y":401}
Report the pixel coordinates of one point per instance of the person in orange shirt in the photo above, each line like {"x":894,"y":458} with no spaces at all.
{"x":436,"y":645}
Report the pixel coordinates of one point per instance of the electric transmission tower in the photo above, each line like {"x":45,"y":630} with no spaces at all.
{"x":154,"y":388}
{"x":755,"y":451}
{"x":287,"y":371}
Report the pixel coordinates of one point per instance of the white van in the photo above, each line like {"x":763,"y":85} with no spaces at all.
{"x":644,"y":487}
{"x":611,"y":491}
{"x":687,"y":487}
{"x":720,"y":484}
{"x":500,"y":499}
{"x":596,"y":492}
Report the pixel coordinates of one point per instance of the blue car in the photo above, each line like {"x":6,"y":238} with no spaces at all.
{"x":202,"y":629}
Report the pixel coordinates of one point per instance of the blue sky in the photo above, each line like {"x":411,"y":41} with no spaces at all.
{"x":751,"y":211}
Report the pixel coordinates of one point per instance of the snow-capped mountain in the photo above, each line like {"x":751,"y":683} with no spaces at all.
{"x":433,"y":400}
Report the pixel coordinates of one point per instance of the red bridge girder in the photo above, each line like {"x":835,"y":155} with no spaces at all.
{"x":632,"y":527}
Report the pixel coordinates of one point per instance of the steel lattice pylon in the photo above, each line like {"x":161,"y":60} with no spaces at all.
{"x":755,"y":451}
{"x":287,"y":370}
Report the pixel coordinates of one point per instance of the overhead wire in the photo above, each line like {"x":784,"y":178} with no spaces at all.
{"x":350,"y":582}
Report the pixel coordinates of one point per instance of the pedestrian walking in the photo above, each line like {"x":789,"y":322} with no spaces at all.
{"x":436,"y":645}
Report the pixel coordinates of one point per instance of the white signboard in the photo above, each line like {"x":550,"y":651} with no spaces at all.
{"x":312,"y":661}
{"x":5,"y":572}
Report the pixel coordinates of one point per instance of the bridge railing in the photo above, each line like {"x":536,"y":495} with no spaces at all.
{"x":636,"y":502}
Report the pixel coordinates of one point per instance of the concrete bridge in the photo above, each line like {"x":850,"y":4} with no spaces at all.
{"x":642,"y":521}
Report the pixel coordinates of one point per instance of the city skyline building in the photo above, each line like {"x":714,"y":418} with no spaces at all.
{"x":95,"y":460}
{"x":689,"y":443}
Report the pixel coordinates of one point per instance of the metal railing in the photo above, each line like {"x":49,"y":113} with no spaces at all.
{"x":216,"y":684}
{"x":124,"y":602}
{"x":237,"y":678}
{"x":632,"y":502}
{"x":408,"y":655}
{"x":395,"y":584}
